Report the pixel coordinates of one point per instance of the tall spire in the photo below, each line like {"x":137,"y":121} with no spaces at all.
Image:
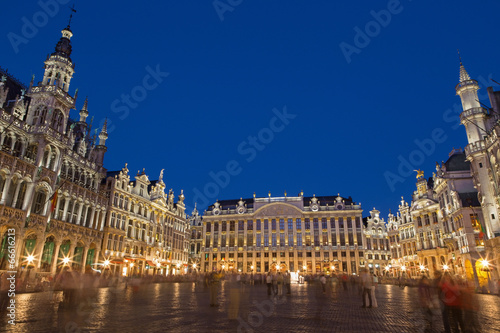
{"x":104,"y":133}
{"x":464,"y":76}
{"x":84,"y":111}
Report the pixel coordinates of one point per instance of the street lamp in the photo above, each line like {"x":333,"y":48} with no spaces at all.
{"x":30,"y":259}
{"x":446,"y":267}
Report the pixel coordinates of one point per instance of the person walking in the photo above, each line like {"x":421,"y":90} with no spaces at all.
{"x":426,"y":304}
{"x":366,"y":282}
{"x":451,"y":298}
{"x":288,"y":281}
{"x":269,"y":282}
{"x":374,"y":287}
{"x":280,"y":281}
{"x":213,"y":284}
{"x":322,"y":280}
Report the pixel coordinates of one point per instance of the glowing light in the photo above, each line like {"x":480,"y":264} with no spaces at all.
{"x":251,"y":267}
{"x":30,"y":258}
{"x":106,"y":262}
{"x":223,"y":266}
{"x":333,"y":268}
{"x":158,"y":265}
{"x":445,"y":267}
{"x":403,"y":268}
{"x":304,"y":267}
{"x":131,"y":264}
{"x":65,"y":260}
{"x":422,"y":267}
{"x":194,"y":265}
{"x":485,"y":263}
{"x":178,"y":265}
{"x":387,"y":268}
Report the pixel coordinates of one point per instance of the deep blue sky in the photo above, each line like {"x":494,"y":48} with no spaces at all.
{"x":353,"y":120}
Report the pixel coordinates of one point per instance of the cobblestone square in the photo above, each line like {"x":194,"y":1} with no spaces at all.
{"x":184,"y":307}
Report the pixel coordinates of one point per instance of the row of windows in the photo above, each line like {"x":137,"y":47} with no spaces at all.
{"x":290,"y":224}
{"x":307,"y":240}
{"x":326,"y":255}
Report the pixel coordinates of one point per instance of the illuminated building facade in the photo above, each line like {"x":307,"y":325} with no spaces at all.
{"x":50,"y":171}
{"x":311,"y":235}
{"x":146,"y":233}
{"x":483,"y":152}
{"x":440,"y":230}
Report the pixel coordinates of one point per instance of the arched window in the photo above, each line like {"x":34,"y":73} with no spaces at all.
{"x":39,"y":202}
{"x":7,"y":143}
{"x":21,"y":195}
{"x":57,"y":120}
{"x":18,"y":147}
{"x":31,"y":152}
{"x":40,"y":115}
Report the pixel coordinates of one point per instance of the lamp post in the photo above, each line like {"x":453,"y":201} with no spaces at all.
{"x":486,"y":268}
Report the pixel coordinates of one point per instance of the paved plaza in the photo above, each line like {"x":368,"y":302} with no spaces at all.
{"x":184,"y":307}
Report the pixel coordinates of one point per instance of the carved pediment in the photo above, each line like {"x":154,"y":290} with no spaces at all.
{"x":278,"y":209}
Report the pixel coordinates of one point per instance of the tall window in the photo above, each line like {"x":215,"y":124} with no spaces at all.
{"x":316,"y":224}
{"x":298,"y":224}
{"x":290,"y":224}
{"x":282,"y":239}
{"x":307,"y":225}
{"x":273,"y":239}
{"x":258,"y":240}
{"x":290,"y":239}
{"x":273,"y":224}
{"x":324,"y":224}
{"x":282,"y":224}
{"x":39,"y":202}
{"x":257,"y":225}
{"x":249,"y":225}
{"x":299,"y":239}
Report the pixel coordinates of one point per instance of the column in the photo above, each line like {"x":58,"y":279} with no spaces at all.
{"x":53,"y":266}
{"x":92,"y":217}
{"x":84,"y":258}
{"x":19,"y":246}
{"x":66,"y":205}
{"x":16,"y":193}
{"x":97,"y":254}
{"x":103,"y":217}
{"x":79,"y":215}
{"x":57,"y":206}
{"x":38,"y":253}
{"x":85,"y":213}
{"x":5,"y":190}
{"x":29,"y":197}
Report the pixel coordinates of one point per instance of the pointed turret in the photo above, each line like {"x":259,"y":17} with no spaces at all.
{"x":84,"y":113}
{"x":104,"y":133}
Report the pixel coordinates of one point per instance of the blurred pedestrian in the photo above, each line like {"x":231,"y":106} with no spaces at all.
{"x":288,"y":281}
{"x":280,"y":281}
{"x":426,"y":304}
{"x":374,"y":287}
{"x":214,"y":282}
{"x":269,"y":282}
{"x":322,"y":280}
{"x":366,"y":282}
{"x":450,"y":296}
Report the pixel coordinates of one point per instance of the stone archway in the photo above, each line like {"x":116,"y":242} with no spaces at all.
{"x":47,"y":257}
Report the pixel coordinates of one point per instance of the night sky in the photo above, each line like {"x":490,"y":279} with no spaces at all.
{"x":322,"y":96}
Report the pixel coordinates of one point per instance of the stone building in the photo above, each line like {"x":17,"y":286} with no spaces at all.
{"x":50,"y":171}
{"x":310,"y":235}
{"x":483,"y":151}
{"x":146,"y":233}
{"x":378,"y":253}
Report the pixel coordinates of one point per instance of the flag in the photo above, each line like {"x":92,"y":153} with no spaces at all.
{"x":53,"y":202}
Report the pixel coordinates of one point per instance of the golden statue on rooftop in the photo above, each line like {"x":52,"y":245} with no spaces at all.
{"x":420,"y":174}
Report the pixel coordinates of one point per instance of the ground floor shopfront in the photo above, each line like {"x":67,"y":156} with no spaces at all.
{"x":309,"y":260}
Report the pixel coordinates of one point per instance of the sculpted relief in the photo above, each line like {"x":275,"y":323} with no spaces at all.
{"x":278,"y":210}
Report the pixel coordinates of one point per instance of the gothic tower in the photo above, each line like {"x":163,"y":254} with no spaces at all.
{"x":474,"y":118}
{"x":51,"y":102}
